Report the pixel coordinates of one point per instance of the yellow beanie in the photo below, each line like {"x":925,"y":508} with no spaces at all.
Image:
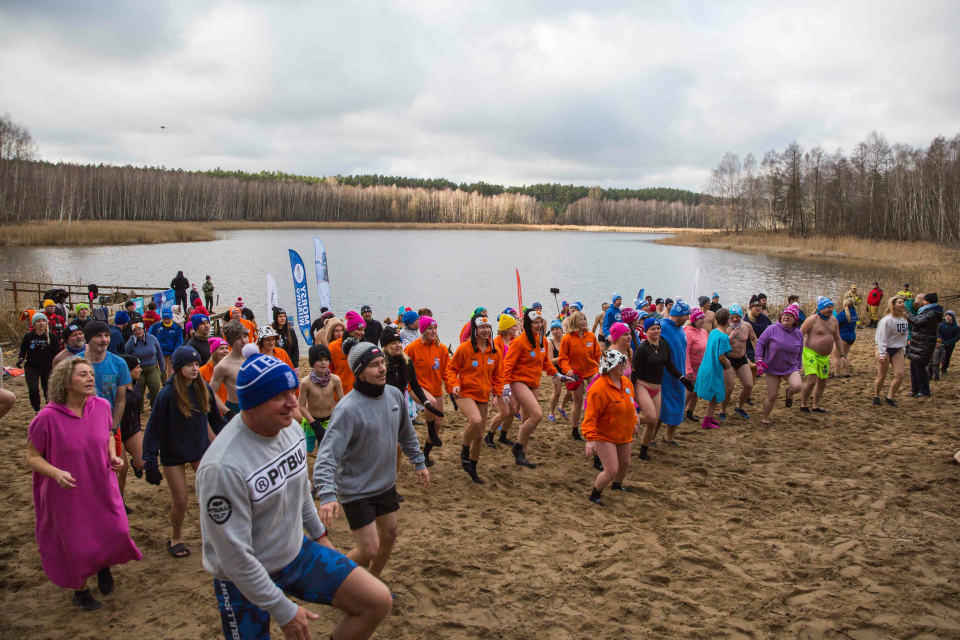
{"x":506,"y":321}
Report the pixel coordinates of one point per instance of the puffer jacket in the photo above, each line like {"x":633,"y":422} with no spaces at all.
{"x":924,"y":338}
{"x":169,"y":337}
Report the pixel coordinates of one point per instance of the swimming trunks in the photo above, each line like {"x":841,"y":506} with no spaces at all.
{"x":739,"y":362}
{"x":814,"y":363}
{"x":314,"y":576}
{"x":315,"y":431}
{"x":364,"y":511}
{"x":233,"y":406}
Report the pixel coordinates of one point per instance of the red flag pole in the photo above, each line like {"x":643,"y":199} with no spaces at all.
{"x":519,"y":293}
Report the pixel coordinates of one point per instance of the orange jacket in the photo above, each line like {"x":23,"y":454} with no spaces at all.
{"x":338,"y":364}
{"x":282,"y":356}
{"x":206,"y":372}
{"x":524,"y":363}
{"x":430,"y":361}
{"x":610,"y":414}
{"x":477,"y":374}
{"x":250,"y":326}
{"x":581,"y":354}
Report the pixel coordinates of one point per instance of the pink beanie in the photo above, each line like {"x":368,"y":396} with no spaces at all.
{"x":216,"y":343}
{"x":618,"y":329}
{"x":354,"y":321}
{"x":794,"y":310}
{"x":695,"y":315}
{"x":426,"y":322}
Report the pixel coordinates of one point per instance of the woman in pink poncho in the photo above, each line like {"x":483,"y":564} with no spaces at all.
{"x":82,"y":527}
{"x":696,"y":345}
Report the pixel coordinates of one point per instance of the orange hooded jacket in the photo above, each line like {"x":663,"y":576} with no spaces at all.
{"x":610,"y":415}
{"x":581,"y":354}
{"x":338,"y":364}
{"x":477,"y":374}
{"x":525,"y":364}
{"x":430,"y":361}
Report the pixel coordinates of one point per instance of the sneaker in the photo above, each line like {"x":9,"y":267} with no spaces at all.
{"x":740,"y":412}
{"x":750,"y":402}
{"x":672,"y":443}
{"x":922,"y":395}
{"x":722,"y":416}
{"x":517,"y":416}
{"x":876,"y":401}
{"x":889,"y":402}
{"x":551,"y":417}
{"x":562,"y":412}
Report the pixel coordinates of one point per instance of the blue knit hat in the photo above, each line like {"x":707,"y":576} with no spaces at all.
{"x":736,"y":310}
{"x":556,"y":324}
{"x":167,"y":314}
{"x":410,"y":317}
{"x":578,"y":305}
{"x":183,"y":356}
{"x":680,"y":308}
{"x":823,"y":302}
{"x":197,"y":318}
{"x":122,"y":317}
{"x":262,"y":377}
{"x":649,"y":322}
{"x":615,"y":296}
{"x":537,"y":305}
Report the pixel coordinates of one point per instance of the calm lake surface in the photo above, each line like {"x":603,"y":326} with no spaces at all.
{"x":451,"y":272}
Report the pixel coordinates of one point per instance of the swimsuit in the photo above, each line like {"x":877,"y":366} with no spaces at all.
{"x":738,"y":362}
{"x":814,"y":363}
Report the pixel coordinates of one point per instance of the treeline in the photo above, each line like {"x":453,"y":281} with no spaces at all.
{"x":66,"y":192}
{"x":879,"y":191}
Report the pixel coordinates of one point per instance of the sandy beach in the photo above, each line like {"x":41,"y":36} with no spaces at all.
{"x":838,"y":526}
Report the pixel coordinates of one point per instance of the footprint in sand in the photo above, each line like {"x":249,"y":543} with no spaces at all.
{"x":800,"y":597}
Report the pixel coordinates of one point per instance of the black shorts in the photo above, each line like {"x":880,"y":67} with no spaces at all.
{"x":738,"y":362}
{"x":127,"y":430}
{"x":362,"y":512}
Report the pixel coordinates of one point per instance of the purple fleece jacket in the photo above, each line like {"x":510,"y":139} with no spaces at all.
{"x":780,"y":348}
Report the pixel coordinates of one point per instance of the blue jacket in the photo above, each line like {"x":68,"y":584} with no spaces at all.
{"x":848,"y":330}
{"x":949,"y":333}
{"x":169,"y":338}
{"x":116,"y":341}
{"x":612,"y":315}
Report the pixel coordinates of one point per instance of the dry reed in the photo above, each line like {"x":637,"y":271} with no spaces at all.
{"x":96,"y":232}
{"x":449,"y":226}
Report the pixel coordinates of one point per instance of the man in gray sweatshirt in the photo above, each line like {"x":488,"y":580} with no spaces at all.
{"x":254,"y":494}
{"x":357,"y":460}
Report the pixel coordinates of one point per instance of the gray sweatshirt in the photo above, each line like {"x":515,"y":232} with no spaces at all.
{"x":358,"y":456}
{"x":255,"y":503}
{"x":891,"y":333}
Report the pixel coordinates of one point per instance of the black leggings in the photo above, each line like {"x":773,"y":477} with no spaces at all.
{"x":36,"y":377}
{"x":182,"y":301}
{"x":947,"y":352}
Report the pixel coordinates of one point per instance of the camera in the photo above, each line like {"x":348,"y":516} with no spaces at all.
{"x":554,"y":290}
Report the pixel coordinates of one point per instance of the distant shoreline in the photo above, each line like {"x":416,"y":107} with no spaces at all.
{"x":120,"y":232}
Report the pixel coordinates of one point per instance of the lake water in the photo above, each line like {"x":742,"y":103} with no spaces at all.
{"x":451,"y":272}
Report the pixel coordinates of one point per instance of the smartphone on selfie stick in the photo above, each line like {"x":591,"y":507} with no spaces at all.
{"x":555,"y":293}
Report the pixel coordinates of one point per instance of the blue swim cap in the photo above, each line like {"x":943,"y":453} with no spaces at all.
{"x":736,"y":310}
{"x":556,"y":323}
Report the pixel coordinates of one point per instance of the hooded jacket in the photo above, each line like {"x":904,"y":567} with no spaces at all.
{"x":169,"y":337}
{"x":949,"y":333}
{"x":924,"y":337}
{"x":180,"y":284}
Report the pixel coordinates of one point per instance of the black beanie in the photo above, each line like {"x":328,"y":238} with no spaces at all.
{"x":931,"y":298}
{"x":95,"y":328}
{"x":317,"y":352}
{"x":389,"y":334}
{"x":132,"y":361}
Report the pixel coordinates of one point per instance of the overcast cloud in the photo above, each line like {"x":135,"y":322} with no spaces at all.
{"x":632,"y":94}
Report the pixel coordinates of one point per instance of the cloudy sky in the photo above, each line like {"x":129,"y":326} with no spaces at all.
{"x":628,"y":94}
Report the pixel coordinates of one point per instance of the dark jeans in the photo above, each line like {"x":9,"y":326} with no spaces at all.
{"x":209,"y":303}
{"x":36,"y":377}
{"x":181,"y":300}
{"x":919,"y":380}
{"x":947,"y":352}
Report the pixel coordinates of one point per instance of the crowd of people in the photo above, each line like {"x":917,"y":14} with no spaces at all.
{"x":234,"y":408}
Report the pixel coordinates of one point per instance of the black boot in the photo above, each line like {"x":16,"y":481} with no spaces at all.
{"x":105,"y":581}
{"x":690,"y":416}
{"x":618,"y":486}
{"x":488,"y":440}
{"x":520,"y":458}
{"x":503,"y":439}
{"x":595,"y":497}
{"x":597,"y":464}
{"x":84,"y":600}
{"x":470,"y":466}
{"x":427,"y":447}
{"x":643,"y":452}
{"x":432,"y":434}
{"x":575,"y":432}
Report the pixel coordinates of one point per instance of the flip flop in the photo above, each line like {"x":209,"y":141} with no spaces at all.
{"x":178,"y":551}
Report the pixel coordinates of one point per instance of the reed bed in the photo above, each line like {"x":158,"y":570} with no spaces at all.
{"x":306,"y":224}
{"x":87,"y":233}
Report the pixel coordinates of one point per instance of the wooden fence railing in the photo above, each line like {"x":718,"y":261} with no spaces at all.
{"x":31,"y":293}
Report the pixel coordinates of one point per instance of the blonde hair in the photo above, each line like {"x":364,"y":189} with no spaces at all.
{"x":847,"y":305}
{"x":329,"y":327}
{"x":891,"y":308}
{"x":60,"y":377}
{"x":573,"y":326}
